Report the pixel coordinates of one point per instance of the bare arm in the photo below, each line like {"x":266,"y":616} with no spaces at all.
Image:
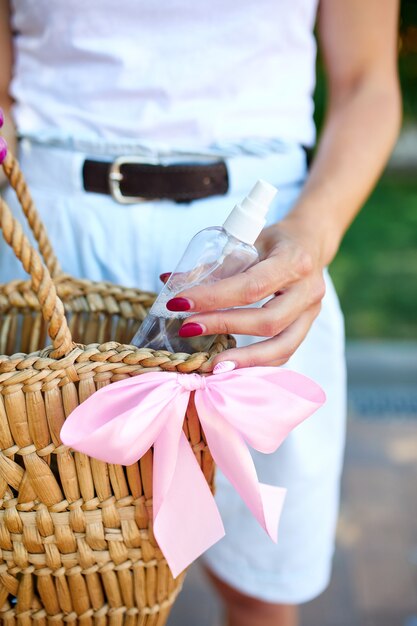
{"x":359,"y":41}
{"x":6,"y":56}
{"x":359,"y":44}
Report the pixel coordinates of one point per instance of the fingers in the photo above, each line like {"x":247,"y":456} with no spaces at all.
{"x":266,"y":321}
{"x":260,"y":281}
{"x":275,"y":351}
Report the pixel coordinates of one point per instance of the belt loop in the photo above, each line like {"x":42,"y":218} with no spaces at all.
{"x":77,"y":164}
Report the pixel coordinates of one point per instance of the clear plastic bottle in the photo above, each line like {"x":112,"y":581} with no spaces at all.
{"x":213,"y":254}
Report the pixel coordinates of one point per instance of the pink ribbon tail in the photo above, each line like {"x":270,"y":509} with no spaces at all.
{"x":188,"y":521}
{"x":261,"y":405}
{"x":232,"y":456}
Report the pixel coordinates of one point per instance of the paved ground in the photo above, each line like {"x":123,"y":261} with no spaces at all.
{"x":375,"y":568}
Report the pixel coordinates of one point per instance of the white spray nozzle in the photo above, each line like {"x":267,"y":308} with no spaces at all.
{"x":247,"y":219}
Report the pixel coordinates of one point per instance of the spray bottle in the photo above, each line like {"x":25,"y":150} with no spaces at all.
{"x":213,"y":254}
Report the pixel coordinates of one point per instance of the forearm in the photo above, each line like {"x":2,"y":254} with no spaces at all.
{"x":358,"y":136}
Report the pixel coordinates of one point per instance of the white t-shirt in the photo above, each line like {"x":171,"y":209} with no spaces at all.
{"x":172,"y":72}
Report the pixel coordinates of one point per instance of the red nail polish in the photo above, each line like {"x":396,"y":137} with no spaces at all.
{"x":190,"y":330}
{"x":179,"y":304}
{"x":164,"y":277}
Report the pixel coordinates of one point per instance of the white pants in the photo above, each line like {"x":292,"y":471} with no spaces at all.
{"x":97,"y":238}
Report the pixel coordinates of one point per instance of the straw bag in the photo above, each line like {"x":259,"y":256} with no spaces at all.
{"x":76,"y":541}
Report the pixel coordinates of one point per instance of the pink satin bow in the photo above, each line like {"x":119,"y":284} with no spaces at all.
{"x":258,"y":405}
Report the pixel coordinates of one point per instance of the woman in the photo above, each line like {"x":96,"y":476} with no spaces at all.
{"x":224,"y":89}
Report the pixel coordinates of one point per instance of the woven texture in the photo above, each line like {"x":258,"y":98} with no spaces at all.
{"x":76,"y":540}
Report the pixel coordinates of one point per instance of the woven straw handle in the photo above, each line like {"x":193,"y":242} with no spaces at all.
{"x":51,"y":305}
{"x":16,"y":179}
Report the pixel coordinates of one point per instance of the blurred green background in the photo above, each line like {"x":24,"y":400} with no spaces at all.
{"x":375,"y":271}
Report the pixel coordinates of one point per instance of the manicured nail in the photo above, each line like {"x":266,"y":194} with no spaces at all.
{"x":1,"y":118}
{"x":224,"y":366}
{"x":191,"y":330}
{"x":179,"y":304}
{"x":164,"y":277}
{"x":3,"y":149}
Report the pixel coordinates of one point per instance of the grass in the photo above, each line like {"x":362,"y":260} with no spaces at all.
{"x":375,"y":271}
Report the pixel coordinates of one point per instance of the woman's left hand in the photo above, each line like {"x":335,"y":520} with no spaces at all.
{"x":290,"y":270}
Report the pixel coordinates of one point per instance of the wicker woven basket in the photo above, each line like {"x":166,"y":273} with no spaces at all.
{"x":76,"y":535}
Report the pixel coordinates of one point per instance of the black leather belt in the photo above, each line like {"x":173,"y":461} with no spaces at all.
{"x":129,"y":180}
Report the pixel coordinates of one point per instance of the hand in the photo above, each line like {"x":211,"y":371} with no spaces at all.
{"x":290,"y":270}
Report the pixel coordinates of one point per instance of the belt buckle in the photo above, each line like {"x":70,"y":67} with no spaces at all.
{"x":115,"y":177}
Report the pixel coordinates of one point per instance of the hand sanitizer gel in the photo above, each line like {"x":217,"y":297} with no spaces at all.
{"x":212,"y":254}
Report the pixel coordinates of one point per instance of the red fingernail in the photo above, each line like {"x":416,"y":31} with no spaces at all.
{"x":191,"y":330}
{"x":164,"y":277}
{"x":179,"y":304}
